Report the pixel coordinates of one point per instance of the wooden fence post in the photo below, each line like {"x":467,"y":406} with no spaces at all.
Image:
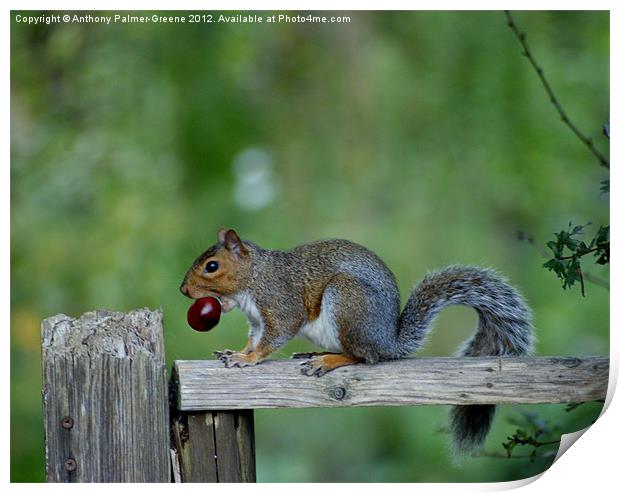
{"x":105,"y":398}
{"x":215,"y":446}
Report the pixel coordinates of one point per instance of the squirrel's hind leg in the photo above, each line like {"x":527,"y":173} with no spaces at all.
{"x":363,"y":319}
{"x":366,"y":318}
{"x":319,"y":365}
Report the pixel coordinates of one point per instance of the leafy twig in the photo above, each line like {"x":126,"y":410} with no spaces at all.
{"x":531,"y":430}
{"x":568,"y":267}
{"x":529,"y":238}
{"x":521,"y":36}
{"x":521,"y":437}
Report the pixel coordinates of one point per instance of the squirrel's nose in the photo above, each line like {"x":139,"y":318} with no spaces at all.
{"x":184,"y":289}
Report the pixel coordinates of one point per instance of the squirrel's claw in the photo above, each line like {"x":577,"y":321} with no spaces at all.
{"x":239,"y":364}
{"x":236,"y":358}
{"x":309,"y":369}
{"x":221,"y":354}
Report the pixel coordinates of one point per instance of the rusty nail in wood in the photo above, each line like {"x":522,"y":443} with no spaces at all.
{"x":67,"y":422}
{"x":70,"y":464}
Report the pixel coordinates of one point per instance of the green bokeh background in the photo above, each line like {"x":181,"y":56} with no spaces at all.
{"x":425,"y":136}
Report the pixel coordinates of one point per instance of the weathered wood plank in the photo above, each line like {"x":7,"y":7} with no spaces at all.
{"x":175,"y":466}
{"x":228,"y":460}
{"x":105,"y":398}
{"x":244,"y":429}
{"x":205,"y":385}
{"x":201,"y":448}
{"x":216,"y":446}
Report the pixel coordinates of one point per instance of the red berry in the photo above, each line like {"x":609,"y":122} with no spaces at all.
{"x":204,"y":314}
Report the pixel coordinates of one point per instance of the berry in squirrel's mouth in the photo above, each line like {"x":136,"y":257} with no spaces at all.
{"x":204,"y":314}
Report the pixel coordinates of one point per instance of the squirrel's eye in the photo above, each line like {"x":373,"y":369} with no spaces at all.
{"x":212,"y":266}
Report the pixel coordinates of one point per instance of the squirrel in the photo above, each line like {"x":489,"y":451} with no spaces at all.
{"x":343,"y":298}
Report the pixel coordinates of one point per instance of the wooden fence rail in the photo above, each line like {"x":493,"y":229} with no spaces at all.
{"x":107,"y":414}
{"x":205,"y":385}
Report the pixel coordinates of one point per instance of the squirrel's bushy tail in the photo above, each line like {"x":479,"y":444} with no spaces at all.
{"x":504,"y":328}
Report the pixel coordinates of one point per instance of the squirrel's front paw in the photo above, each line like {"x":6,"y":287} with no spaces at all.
{"x":235,"y":358}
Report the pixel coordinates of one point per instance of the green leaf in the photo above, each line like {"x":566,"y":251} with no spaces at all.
{"x":568,"y":266}
{"x":553,"y":246}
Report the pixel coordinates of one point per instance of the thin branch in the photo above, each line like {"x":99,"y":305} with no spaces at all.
{"x":580,"y":254}
{"x":521,"y":36}
{"x":499,"y":455}
{"x":596,"y":280}
{"x":529,"y":237}
{"x":549,"y":442}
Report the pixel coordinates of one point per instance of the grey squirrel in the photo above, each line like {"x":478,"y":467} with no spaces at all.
{"x":343,"y":298}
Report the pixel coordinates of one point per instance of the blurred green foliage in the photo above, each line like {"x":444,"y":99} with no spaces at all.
{"x":422,"y":135}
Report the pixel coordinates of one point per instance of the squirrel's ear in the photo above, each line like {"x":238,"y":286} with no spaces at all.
{"x":221,"y":235}
{"x":233,"y":243}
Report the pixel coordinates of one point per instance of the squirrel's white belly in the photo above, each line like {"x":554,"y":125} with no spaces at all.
{"x":248,"y":307}
{"x":322,"y":332}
